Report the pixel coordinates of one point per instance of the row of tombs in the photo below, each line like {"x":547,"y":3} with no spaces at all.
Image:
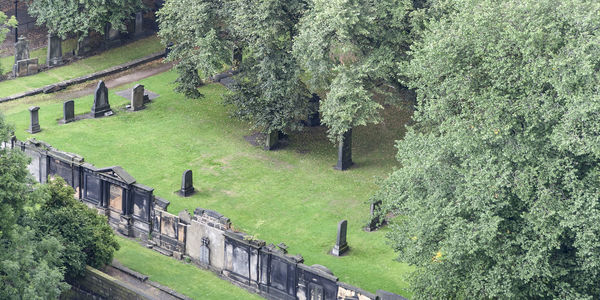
{"x":206,"y":239}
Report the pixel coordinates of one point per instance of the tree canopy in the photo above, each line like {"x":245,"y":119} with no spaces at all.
{"x":499,"y":184}
{"x":5,"y":25}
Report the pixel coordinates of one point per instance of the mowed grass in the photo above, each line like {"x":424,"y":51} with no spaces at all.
{"x":184,"y":278}
{"x":291,"y":195}
{"x":7,"y":62}
{"x":105,"y":60}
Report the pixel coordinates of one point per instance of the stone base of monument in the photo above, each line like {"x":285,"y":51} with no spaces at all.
{"x":186,"y":192}
{"x":103,"y":113}
{"x":34,"y":130}
{"x":339,"y":250}
{"x":125,"y":226}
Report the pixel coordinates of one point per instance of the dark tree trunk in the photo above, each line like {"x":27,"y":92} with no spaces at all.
{"x":345,"y":152}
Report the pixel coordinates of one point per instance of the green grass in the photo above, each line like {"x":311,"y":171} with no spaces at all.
{"x":107,"y":59}
{"x":291,"y":195}
{"x":7,"y":62}
{"x":184,"y":278}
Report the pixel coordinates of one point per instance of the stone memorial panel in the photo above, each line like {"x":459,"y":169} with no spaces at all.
{"x":34,"y":124}
{"x":68,"y":111}
{"x":101,"y":106}
{"x":54,"y":55}
{"x":116,"y":198}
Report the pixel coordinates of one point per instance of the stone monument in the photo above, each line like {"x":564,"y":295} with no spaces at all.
{"x":101,"y":106}
{"x":187,"y":185}
{"x":205,"y":252}
{"x":345,"y":152}
{"x":68,"y":111}
{"x":34,"y":125}
{"x":137,"y":98}
{"x":54,"y":56}
{"x":272,"y":140}
{"x":374,"y":223}
{"x":313,"y":118}
{"x":340,"y":244}
{"x":139,"y":24}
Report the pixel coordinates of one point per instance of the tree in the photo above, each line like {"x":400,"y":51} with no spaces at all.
{"x":499,"y":184}
{"x":351,"y":49}
{"x":82,"y":16}
{"x":5,"y":25}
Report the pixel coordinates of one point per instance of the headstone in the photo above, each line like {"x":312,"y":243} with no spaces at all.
{"x":101,"y":106}
{"x":68,"y":111}
{"x":340,"y":244}
{"x":205,"y":251}
{"x":345,"y":152}
{"x":272,"y":140}
{"x":112,"y":37}
{"x":374,"y":223}
{"x":21,"y":49}
{"x":187,"y":185}
{"x":32,"y":66}
{"x":137,"y":98}
{"x":54,"y":56}
{"x":34,"y":125}
{"x":139,"y":24}
{"x":21,"y":68}
{"x":313,"y":118}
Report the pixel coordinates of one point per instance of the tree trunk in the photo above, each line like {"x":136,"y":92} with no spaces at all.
{"x":345,"y":152}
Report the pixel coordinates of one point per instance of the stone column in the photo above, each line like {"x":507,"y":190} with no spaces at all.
{"x":345,"y":152}
{"x":34,"y":126}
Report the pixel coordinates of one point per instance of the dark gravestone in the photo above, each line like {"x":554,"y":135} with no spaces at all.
{"x":272,"y":140}
{"x":69,"y":111}
{"x":345,"y":152}
{"x":313,"y":117}
{"x":205,"y":251}
{"x":101,"y":106}
{"x":34,"y":125}
{"x":54,"y":56}
{"x":112,"y":37}
{"x":187,"y":185}
{"x":340,"y":244}
{"x":139,"y":24}
{"x":137,"y":98}
{"x":374,"y":223}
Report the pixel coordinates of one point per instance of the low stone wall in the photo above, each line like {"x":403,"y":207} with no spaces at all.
{"x":206,"y":238}
{"x":97,"y":285}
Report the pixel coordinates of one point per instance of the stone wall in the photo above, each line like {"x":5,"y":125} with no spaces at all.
{"x":97,"y":285}
{"x":206,"y":238}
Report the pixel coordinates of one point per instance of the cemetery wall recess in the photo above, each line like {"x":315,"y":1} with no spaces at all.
{"x":206,"y":238}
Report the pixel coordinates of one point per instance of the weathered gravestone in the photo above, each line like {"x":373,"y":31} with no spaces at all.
{"x":25,"y":67}
{"x":112,"y":37}
{"x":137,"y":98}
{"x":101,"y":106}
{"x":139,"y":24}
{"x":54,"y":56}
{"x":340,"y":244}
{"x":272,"y":140}
{"x":374,"y":223}
{"x":187,"y":185}
{"x":345,"y":152}
{"x":313,"y":118}
{"x":21,"y":49}
{"x":34,"y":125}
{"x":68,"y":111}
{"x":205,"y":252}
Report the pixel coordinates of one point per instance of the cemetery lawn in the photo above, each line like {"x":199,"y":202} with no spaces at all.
{"x":105,"y":60}
{"x":291,"y":195}
{"x":184,"y":278}
{"x":7,"y":62}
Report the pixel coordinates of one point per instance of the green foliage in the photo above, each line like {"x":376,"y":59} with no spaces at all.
{"x":5,"y":25}
{"x":367,"y":39}
{"x":86,"y":236}
{"x":82,"y":16}
{"x":499,"y":184}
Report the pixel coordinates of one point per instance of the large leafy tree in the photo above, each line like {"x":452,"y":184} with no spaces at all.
{"x":64,"y":17}
{"x":5,"y":25}
{"x":499,"y":186}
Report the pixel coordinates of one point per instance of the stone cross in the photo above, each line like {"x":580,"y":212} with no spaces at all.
{"x":101,"y":106}
{"x":345,"y":152}
{"x":340,"y":244}
{"x":205,"y":251}
{"x":68,"y":111}
{"x":187,"y":185}
{"x":34,"y":126}
{"x":54,"y":56}
{"x":137,"y":97}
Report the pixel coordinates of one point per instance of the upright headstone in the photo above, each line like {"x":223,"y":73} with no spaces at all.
{"x":375,"y":220}
{"x":112,"y":37}
{"x":340,"y":244}
{"x":54,"y":56}
{"x":205,"y":252}
{"x":139,"y":24}
{"x":272,"y":140}
{"x":21,"y":49}
{"x":187,"y":184}
{"x":345,"y":152}
{"x":68,"y":111}
{"x":313,"y":118}
{"x":137,"y":98}
{"x":34,"y":125}
{"x":101,"y":106}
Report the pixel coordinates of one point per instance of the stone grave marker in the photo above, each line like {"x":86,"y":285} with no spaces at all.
{"x":21,"y":49}
{"x":205,"y":251}
{"x":112,"y":37}
{"x":101,"y":106}
{"x":137,"y":98}
{"x":272,"y":140}
{"x":139,"y":24}
{"x":345,"y":152}
{"x":54,"y":55}
{"x":187,"y":185}
{"x":34,"y":125}
{"x":313,"y":118}
{"x":340,"y":244}
{"x":68,"y":111}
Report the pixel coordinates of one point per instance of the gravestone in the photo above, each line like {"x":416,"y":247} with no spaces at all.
{"x":34,"y":125}
{"x":340,"y":244}
{"x":272,"y":140}
{"x":139,"y":24}
{"x":101,"y":106}
{"x":137,"y":98}
{"x":25,"y":67}
{"x":187,"y":185}
{"x":313,"y":118}
{"x":205,"y":251}
{"x":68,"y":111}
{"x":345,"y":152}
{"x":21,"y":49}
{"x":374,"y":222}
{"x":54,"y":56}
{"x":112,"y":37}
